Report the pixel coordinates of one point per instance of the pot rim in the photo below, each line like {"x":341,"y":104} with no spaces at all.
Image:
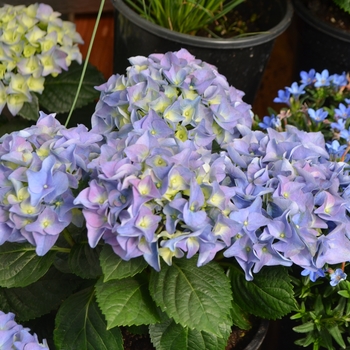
{"x":259,"y":336}
{"x":255,"y":40}
{"x":307,"y":15}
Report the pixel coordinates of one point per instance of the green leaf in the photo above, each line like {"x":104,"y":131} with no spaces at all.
{"x":81,"y":325}
{"x":308,"y":340}
{"x":59,"y":92}
{"x":318,"y":306}
{"x":336,"y":334}
{"x":126,"y":302}
{"x":343,"y":4}
{"x":305,"y":327}
{"x":14,"y":124}
{"x":239,"y":317}
{"x":40,"y":297}
{"x":169,"y":335}
{"x":195,"y":297}
{"x":114,"y":267}
{"x":269,"y":295}
{"x":84,"y":261}
{"x":21,"y":266}
{"x":30,"y":110}
{"x":344,"y":293}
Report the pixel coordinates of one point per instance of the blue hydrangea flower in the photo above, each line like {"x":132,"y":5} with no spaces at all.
{"x":43,"y":165}
{"x":14,"y":336}
{"x":159,"y":190}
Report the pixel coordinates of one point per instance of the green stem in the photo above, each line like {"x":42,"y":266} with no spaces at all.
{"x":60,"y":249}
{"x":86,"y":60}
{"x":342,"y":159}
{"x":68,"y":237}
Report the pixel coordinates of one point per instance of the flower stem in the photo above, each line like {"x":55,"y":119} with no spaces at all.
{"x":60,"y":249}
{"x":68,"y":237}
{"x":86,"y":61}
{"x":342,"y":159}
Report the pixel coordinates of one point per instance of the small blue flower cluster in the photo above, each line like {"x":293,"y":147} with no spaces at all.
{"x":15,"y":337}
{"x":321,"y":102}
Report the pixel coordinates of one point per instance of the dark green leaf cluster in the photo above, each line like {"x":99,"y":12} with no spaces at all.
{"x":58,"y":96}
{"x":343,"y":4}
{"x":94,"y":293}
{"x":324,"y":314}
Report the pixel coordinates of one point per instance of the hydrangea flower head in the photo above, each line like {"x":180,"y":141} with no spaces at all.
{"x":41,"y":166}
{"x":14,"y":336}
{"x":194,"y":100}
{"x":160,"y":190}
{"x":34,"y":43}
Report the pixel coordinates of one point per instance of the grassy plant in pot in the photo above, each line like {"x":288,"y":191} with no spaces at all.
{"x":224,"y":34}
{"x":322,"y":24}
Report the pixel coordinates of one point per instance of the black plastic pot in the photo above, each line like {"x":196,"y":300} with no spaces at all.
{"x":319,"y":44}
{"x":241,"y":60}
{"x":259,"y":337}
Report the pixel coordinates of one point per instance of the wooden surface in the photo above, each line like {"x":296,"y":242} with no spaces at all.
{"x":102,"y":51}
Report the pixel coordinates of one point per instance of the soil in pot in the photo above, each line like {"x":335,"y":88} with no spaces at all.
{"x":248,"y":18}
{"x":323,"y":38}
{"x":328,"y":12}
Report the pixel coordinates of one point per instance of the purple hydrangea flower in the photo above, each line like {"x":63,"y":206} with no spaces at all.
{"x":183,"y":91}
{"x":14,"y":336}
{"x":43,"y":167}
{"x":158,"y":189}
